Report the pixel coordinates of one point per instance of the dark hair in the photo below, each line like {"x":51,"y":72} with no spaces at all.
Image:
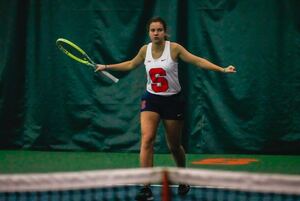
{"x":162,"y":21}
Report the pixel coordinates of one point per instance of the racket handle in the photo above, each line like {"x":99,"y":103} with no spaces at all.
{"x":110,"y":76}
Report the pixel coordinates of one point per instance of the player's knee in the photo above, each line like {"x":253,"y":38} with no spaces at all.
{"x":148,"y":141}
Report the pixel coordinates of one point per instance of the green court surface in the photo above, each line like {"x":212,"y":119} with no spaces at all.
{"x":18,"y":161}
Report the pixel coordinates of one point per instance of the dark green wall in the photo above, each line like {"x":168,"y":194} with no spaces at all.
{"x":48,"y":101}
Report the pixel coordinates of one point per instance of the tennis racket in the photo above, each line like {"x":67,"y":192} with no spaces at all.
{"x":76,"y":53}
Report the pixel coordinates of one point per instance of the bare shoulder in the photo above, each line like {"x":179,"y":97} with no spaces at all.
{"x":143,"y":51}
{"x":144,"y":47}
{"x":175,"y":50}
{"x":176,"y":47}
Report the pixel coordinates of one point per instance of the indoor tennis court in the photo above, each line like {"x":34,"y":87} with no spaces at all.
{"x":111,"y":168}
{"x":42,"y":162}
{"x":91,"y":90}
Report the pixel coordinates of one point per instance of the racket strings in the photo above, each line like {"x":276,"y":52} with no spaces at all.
{"x":68,"y":49}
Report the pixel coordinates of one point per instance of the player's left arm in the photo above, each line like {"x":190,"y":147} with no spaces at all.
{"x":200,"y":62}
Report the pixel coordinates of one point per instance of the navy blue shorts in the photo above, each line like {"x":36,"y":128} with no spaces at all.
{"x":168,"y":107}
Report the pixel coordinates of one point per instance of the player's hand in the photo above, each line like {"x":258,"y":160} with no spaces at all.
{"x":230,"y":69}
{"x":100,"y":67}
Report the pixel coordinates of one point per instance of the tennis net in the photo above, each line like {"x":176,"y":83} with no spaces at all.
{"x":124,"y":184}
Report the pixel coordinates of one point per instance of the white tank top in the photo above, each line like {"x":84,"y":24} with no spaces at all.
{"x":162,"y":73}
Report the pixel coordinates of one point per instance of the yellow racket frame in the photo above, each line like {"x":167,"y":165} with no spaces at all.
{"x":86,"y":60}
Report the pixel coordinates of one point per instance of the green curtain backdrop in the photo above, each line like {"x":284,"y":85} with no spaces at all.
{"x":50,"y":102}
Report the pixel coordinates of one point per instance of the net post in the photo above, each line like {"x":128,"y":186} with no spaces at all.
{"x":166,"y":194}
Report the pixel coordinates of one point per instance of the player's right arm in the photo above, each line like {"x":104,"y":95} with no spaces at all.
{"x":126,"y":65}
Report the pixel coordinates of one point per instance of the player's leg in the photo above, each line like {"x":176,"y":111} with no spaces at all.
{"x":149,"y":124}
{"x":173,"y":135}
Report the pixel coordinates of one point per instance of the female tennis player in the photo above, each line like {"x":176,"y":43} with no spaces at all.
{"x":162,"y":99}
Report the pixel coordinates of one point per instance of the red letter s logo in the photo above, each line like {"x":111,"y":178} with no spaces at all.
{"x":159,"y":82}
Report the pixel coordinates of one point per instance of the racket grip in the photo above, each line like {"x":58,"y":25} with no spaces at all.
{"x":110,"y":76}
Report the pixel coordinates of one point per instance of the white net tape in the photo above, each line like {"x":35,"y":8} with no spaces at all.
{"x":253,"y":182}
{"x":269,"y":183}
{"x":77,"y":180}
